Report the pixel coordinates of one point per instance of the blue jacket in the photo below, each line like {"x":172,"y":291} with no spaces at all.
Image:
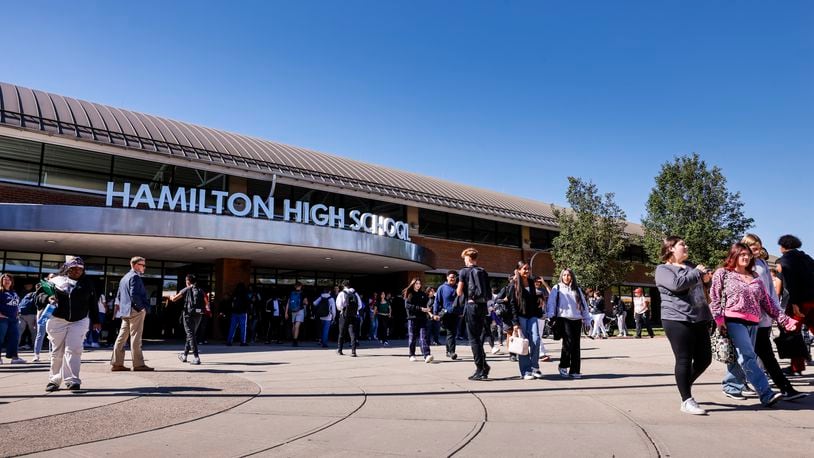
{"x":444,"y":298}
{"x":132,"y":294}
{"x":9,"y":304}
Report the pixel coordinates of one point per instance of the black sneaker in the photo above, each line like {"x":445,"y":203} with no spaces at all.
{"x":51,"y":387}
{"x":476,"y":376}
{"x":485,"y":373}
{"x":736,"y":396}
{"x":353,"y":354}
{"x":339,"y":352}
{"x":453,"y":356}
{"x":791,"y":394}
{"x":73,"y":386}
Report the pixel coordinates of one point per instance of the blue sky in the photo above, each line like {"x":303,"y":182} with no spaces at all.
{"x":507,"y":95}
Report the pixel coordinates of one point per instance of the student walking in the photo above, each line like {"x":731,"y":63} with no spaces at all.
{"x":567,"y":303}
{"x":473,"y":288}
{"x":415,"y":301}
{"x":737,"y":298}
{"x":641,"y":313}
{"x":326,"y":311}
{"x":597,"y":309}
{"x":191,"y":314}
{"x":685,"y":316}
{"x":383,"y":313}
{"x":241,"y":302}
{"x":348,"y":302}
{"x":131,"y":307}
{"x":522,"y":297}
{"x":445,"y":304}
{"x":74,"y":298}
{"x":9,"y":310}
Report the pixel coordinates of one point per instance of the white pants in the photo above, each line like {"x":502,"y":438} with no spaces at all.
{"x":66,"y":349}
{"x":620,"y":321}
{"x":599,"y":325}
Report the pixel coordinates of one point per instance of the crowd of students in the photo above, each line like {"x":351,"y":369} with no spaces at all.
{"x":741,"y":299}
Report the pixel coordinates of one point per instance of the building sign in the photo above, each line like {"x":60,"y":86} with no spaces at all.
{"x":193,"y":200}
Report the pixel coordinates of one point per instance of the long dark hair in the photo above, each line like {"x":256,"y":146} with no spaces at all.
{"x":518,"y":283}
{"x":574,"y":285}
{"x":410,"y":289}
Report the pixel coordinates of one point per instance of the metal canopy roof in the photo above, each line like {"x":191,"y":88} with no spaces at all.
{"x":54,"y":114}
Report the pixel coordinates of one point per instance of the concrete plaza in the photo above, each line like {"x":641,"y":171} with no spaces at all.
{"x":275,"y":400}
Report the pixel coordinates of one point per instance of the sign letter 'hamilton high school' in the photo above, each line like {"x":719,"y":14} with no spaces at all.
{"x":194,"y":200}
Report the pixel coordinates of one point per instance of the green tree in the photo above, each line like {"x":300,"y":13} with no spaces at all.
{"x":691,"y":200}
{"x":592,"y":236}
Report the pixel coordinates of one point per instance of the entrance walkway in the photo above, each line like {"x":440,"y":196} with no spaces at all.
{"x":282,"y":401}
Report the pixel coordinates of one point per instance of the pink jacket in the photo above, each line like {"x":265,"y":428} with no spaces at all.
{"x":743,"y":300}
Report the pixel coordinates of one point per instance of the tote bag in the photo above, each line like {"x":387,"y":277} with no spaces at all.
{"x":518,"y":345}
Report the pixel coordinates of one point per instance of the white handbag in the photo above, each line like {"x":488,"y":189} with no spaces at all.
{"x":518,"y":345}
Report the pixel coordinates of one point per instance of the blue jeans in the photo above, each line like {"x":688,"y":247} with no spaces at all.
{"x":238,"y":319}
{"x":531,"y":330}
{"x":746,"y":366}
{"x":374,"y":328}
{"x":9,"y":336}
{"x":40,"y":337}
{"x":326,"y":327}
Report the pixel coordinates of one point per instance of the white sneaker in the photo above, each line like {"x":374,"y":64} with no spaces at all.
{"x":577,"y":375}
{"x":196,"y":360}
{"x":691,"y":407}
{"x":412,"y":359}
{"x":748,"y":392}
{"x":18,"y":360}
{"x":537,"y":374}
{"x":496,"y":350}
{"x":428,"y":359}
{"x":182,"y":357}
{"x":528,"y":376}
{"x":35,"y":359}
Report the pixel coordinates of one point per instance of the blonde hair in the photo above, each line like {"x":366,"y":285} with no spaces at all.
{"x":750,"y":239}
{"x":471,"y":252}
{"x":136,"y":259}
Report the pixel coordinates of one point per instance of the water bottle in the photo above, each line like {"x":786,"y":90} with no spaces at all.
{"x":46,"y":314}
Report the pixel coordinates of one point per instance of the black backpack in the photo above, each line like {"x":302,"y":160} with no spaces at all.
{"x":324,"y":308}
{"x":195,"y":301}
{"x":351,"y":304}
{"x":477,"y":283}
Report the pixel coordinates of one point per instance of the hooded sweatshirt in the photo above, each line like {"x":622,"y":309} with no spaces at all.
{"x":568,"y":307}
{"x":342,"y":300}
{"x":331,"y":306}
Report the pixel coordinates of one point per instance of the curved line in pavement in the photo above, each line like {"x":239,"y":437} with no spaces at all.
{"x":315,"y":431}
{"x":477,"y":429}
{"x":644,"y":431}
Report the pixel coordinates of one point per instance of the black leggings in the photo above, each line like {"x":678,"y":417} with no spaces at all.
{"x":764,"y":351}
{"x":691,"y":347}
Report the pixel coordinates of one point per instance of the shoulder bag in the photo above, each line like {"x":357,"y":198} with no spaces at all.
{"x":558,"y":325}
{"x":723,"y":350}
{"x":518,"y":344}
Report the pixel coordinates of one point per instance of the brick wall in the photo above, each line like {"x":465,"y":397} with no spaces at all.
{"x":14,"y":193}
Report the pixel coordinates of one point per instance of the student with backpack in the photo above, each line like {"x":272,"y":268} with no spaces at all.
{"x":295,"y":310}
{"x":473,"y":289}
{"x":348,"y":303}
{"x":191,"y":313}
{"x":326,"y":311}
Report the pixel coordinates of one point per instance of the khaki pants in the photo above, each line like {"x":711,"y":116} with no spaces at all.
{"x":66,"y":349}
{"x":132,"y":328}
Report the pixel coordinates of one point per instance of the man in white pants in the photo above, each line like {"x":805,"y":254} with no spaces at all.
{"x":74,"y":297}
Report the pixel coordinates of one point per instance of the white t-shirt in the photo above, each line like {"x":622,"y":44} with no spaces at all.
{"x":639,"y":304}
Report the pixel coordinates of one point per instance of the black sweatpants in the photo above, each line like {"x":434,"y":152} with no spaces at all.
{"x":570,"y":355}
{"x":693,"y":354}
{"x":450,"y":321}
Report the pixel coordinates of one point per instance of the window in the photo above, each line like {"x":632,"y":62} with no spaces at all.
{"x":542,"y":239}
{"x":75,"y":169}
{"x":20,"y":161}
{"x":484,"y":231}
{"x":508,"y":234}
{"x":432,"y":223}
{"x":460,"y":227}
{"x":127,"y":169}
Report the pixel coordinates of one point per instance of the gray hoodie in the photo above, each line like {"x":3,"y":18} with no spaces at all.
{"x":682,"y":294}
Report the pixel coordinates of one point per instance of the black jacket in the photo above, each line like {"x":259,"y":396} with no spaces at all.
{"x":414,"y":302}
{"x":798,"y":276}
{"x":527,"y":307}
{"x":76,"y":306}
